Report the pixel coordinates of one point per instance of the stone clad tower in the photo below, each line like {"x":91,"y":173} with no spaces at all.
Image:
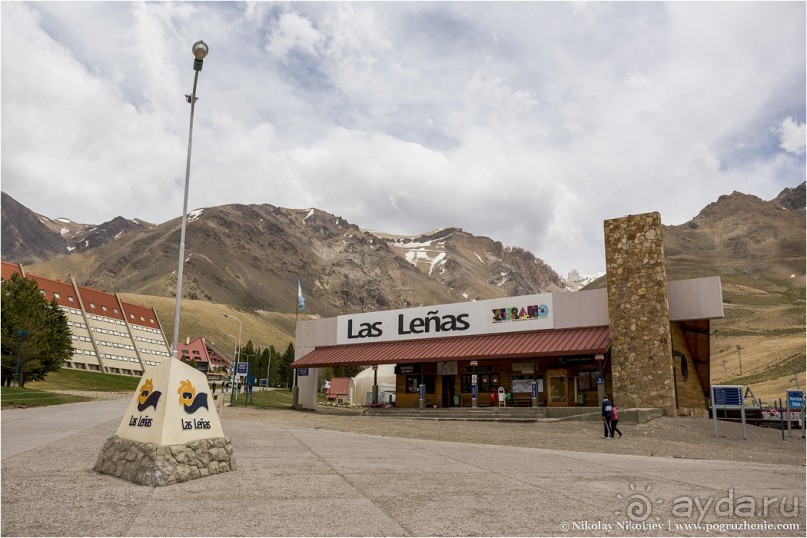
{"x":641,"y":342}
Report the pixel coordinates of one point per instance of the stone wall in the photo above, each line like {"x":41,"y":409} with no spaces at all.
{"x":641,"y":345}
{"x":149,"y":464}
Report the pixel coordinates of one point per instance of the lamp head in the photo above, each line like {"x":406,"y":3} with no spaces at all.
{"x":200,"y":50}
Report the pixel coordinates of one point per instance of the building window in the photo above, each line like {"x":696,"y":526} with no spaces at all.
{"x":56,"y":295}
{"x":588,"y":380}
{"x":92,"y":305}
{"x":414,"y":381}
{"x":484,"y":382}
{"x":70,"y":299}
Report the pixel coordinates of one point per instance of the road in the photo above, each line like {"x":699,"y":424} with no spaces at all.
{"x":294,"y":481}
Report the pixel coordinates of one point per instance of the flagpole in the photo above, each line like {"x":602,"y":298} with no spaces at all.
{"x":295,"y":391}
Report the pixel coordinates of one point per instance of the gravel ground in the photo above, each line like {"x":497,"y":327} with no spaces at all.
{"x":683,"y":437}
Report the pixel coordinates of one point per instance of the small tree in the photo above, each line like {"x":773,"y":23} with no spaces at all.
{"x":285,"y":371}
{"x":48,"y":343}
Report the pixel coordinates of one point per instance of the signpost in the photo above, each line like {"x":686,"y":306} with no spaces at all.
{"x":728,"y":397}
{"x":241,"y":370}
{"x":795,"y":401}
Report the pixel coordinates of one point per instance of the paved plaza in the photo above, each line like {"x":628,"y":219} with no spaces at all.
{"x":295,"y":481}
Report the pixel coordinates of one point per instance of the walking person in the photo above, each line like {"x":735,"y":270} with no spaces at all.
{"x":607,"y":409}
{"x":614,"y":421}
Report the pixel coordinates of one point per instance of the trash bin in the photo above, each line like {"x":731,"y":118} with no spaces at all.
{"x":456,"y":401}
{"x":581,"y":398}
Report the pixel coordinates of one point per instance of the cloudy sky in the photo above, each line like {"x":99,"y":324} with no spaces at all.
{"x":526,"y":122}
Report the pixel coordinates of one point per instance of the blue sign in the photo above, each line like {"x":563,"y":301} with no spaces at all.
{"x":727,"y":395}
{"x":242,"y":368}
{"x":795,"y":399}
{"x":473,"y":391}
{"x":302,"y":372}
{"x":534,"y":390}
{"x":421,"y":390}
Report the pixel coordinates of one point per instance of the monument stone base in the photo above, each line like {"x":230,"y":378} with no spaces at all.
{"x":149,"y":464}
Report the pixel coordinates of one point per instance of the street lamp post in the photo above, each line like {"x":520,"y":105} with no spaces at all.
{"x":22,"y":335}
{"x":248,"y":386}
{"x":232,"y":376}
{"x":200,"y":50}
{"x":235,"y":366}
{"x":268,"y":366}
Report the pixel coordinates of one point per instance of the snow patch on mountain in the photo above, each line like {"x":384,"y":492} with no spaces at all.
{"x":574,"y":281}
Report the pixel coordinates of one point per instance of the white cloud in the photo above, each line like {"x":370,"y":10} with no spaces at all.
{"x":293,"y":32}
{"x":529,"y":122}
{"x":792,"y":136}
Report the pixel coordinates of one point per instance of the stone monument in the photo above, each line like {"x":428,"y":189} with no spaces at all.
{"x":170,"y":433}
{"x":638,"y":309}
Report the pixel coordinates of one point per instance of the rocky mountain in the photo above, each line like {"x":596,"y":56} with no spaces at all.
{"x":251,"y":256}
{"x":29,"y":237}
{"x":25,"y":238}
{"x":757,"y":248}
{"x":740,"y":234}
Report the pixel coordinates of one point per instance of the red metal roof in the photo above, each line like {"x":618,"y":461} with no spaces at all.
{"x":51,"y":289}
{"x":556,"y":342}
{"x":100,"y":303}
{"x":95,"y":302}
{"x":11,"y":268}
{"x":206,"y":352}
{"x":139,"y":315}
{"x":339,"y":387}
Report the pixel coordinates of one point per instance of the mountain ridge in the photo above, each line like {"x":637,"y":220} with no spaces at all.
{"x":245,"y":260}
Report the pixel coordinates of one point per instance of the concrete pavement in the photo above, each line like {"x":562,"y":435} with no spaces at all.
{"x":25,"y":429}
{"x":312,"y":482}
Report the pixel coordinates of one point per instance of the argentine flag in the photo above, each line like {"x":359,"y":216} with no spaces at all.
{"x":300,"y":298}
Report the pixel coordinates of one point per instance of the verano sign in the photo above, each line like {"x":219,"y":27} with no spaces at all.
{"x":512,"y":314}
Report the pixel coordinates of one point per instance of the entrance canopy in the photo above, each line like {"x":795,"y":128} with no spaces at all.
{"x":548,"y":343}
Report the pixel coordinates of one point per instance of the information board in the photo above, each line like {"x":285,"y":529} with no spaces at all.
{"x":727,"y":396}
{"x":795,"y":399}
{"x":523,"y":384}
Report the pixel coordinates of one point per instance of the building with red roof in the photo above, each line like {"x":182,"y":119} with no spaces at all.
{"x":109,"y":335}
{"x":339,"y":390}
{"x":204,"y":355}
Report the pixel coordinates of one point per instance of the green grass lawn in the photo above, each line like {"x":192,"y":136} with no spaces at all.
{"x":37,"y":393}
{"x":276,"y":398}
{"x":11,"y":397}
{"x":65,"y":379}
{"x":41,"y":393}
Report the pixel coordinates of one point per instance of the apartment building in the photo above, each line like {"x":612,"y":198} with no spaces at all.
{"x":109,"y":335}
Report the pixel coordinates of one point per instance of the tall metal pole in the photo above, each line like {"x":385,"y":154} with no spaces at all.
{"x":235,"y":366}
{"x":200,"y":50}
{"x":232,"y":377}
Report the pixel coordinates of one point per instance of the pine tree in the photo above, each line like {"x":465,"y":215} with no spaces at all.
{"x":47,"y":344}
